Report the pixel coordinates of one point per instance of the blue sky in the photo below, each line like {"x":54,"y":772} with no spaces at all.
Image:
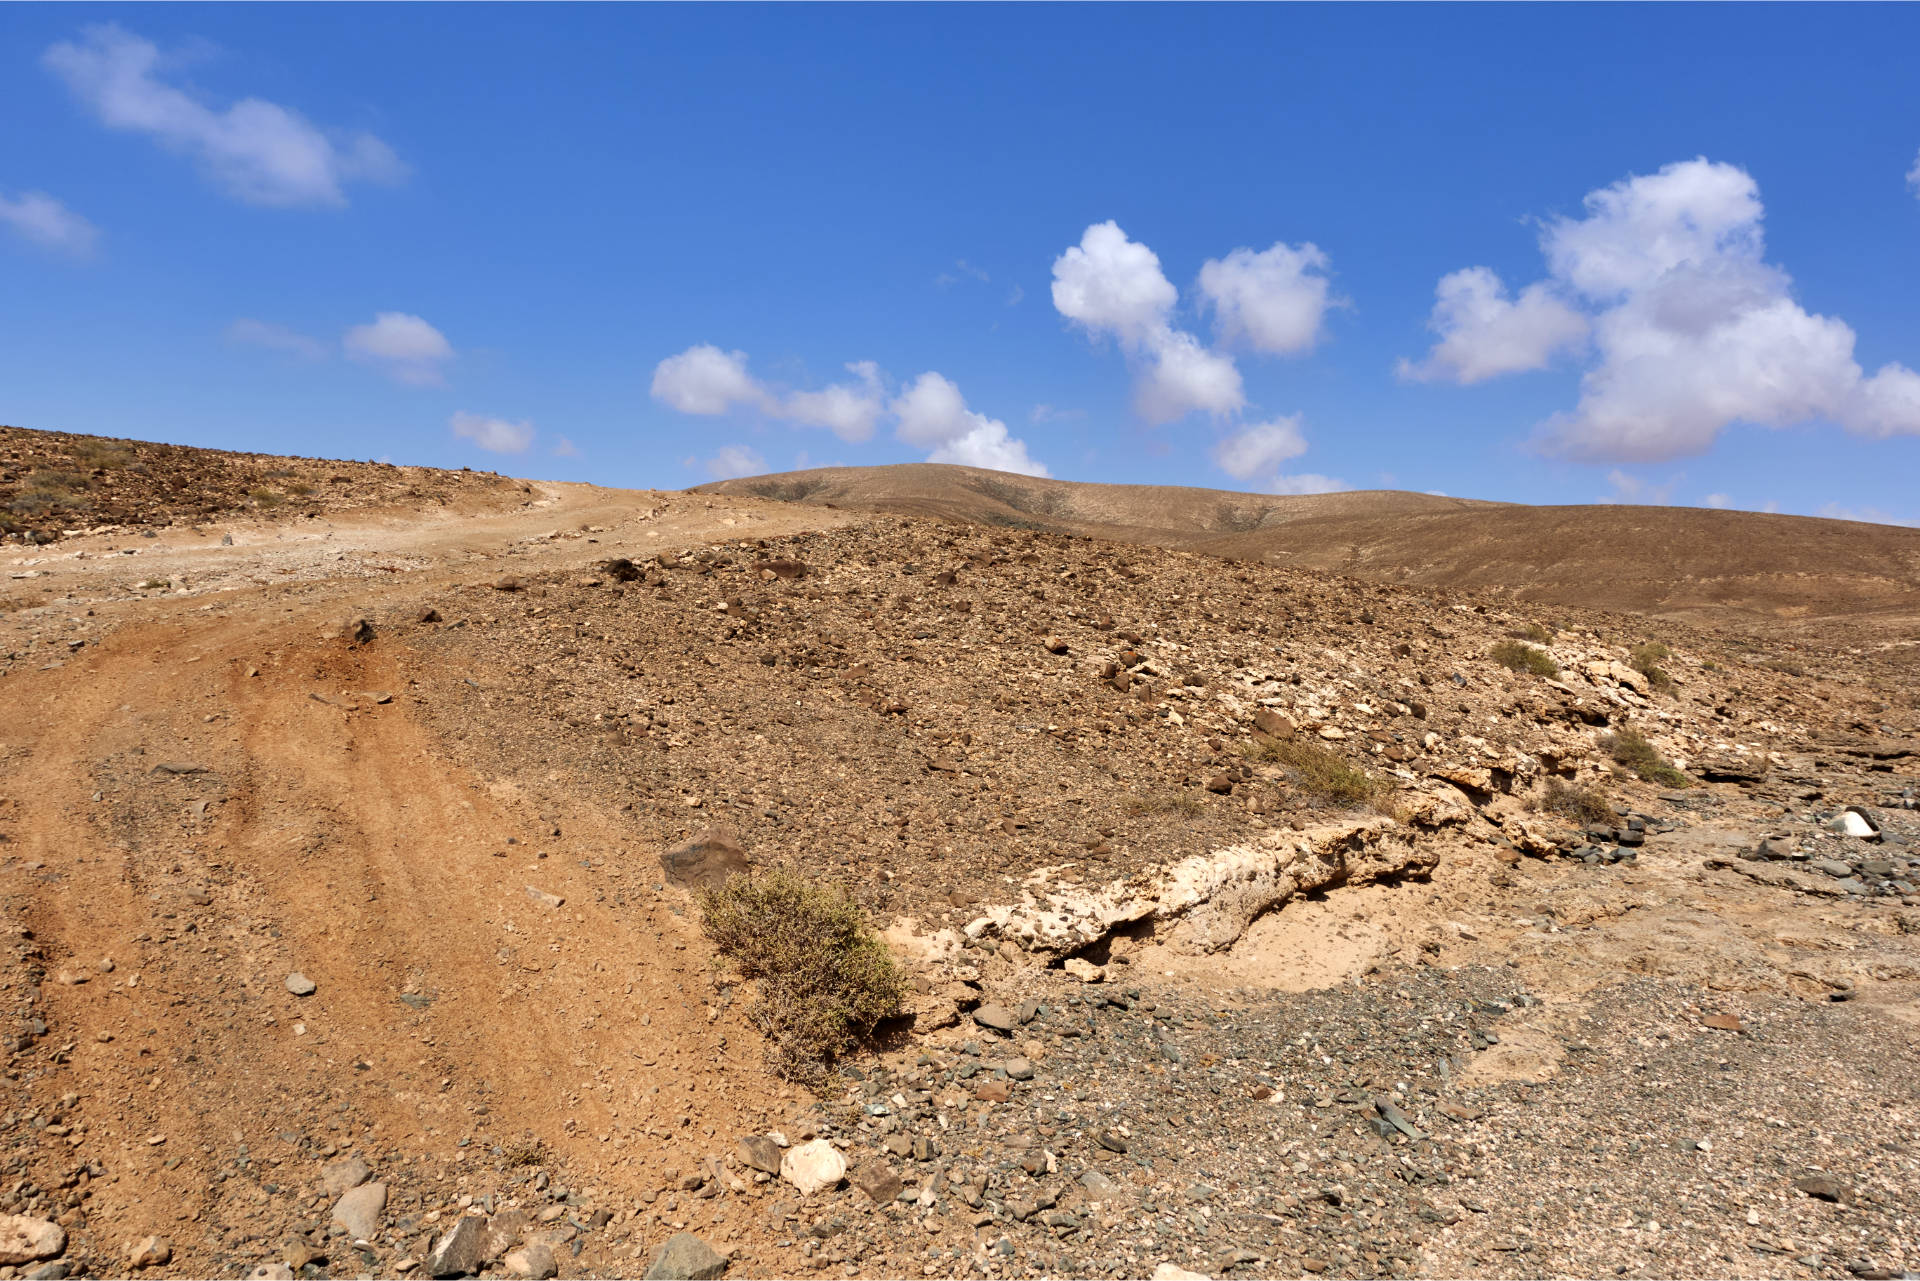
{"x":1552,"y":254}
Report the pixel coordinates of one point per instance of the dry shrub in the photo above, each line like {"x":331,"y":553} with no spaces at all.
{"x":1580,"y":803}
{"x":1645,"y":659}
{"x":1324,"y":774}
{"x":1534,"y":632}
{"x":104,"y":454}
{"x":264,"y":497}
{"x":825,"y":977}
{"x":1184,"y":803}
{"x":49,"y":490}
{"x":523,"y":1152}
{"x":1631,"y":749}
{"x":1524,"y":658}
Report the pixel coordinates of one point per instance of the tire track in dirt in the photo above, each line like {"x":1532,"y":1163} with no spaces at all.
{"x":329,"y":835}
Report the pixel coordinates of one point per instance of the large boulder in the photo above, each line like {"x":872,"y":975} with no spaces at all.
{"x":462,"y":1251}
{"x":685,"y":1257}
{"x":813,"y":1166}
{"x":360,"y":1210}
{"x":28,"y":1240}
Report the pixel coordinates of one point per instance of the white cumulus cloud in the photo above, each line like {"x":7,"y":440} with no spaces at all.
{"x":1719,"y":502}
{"x":1484,"y":333}
{"x":1691,"y":329}
{"x":405,"y":347}
{"x":735,"y":460}
{"x":258,"y":151}
{"x":848,"y":410}
{"x":929,"y":413}
{"x":1274,"y":302}
{"x":1179,"y":375}
{"x":44,"y":221}
{"x":496,"y":435}
{"x":1113,"y":286}
{"x":705,"y":380}
{"x":248,"y":332}
{"x":1260,"y":447}
{"x":989,"y":446}
{"x":932,"y":414}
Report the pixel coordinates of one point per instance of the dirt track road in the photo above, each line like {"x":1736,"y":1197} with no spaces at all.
{"x":204,"y":789}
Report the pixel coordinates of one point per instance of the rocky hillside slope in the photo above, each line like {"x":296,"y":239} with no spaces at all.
{"x":1260,"y":921}
{"x":57,"y":484}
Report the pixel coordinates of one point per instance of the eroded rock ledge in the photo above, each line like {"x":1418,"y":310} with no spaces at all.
{"x":1206,"y":902}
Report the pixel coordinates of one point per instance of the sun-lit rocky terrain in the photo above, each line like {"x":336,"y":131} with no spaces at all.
{"x":1752,"y":572}
{"x":1262,"y":916}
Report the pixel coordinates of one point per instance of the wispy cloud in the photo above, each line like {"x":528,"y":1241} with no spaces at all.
{"x":735,"y":460}
{"x":1628,"y":488}
{"x":947,"y":279}
{"x":41,"y":220}
{"x":255,"y":150}
{"x":1866,"y":515}
{"x":248,"y":332}
{"x":1044,"y":413}
{"x":1306,"y":483}
{"x":496,"y":435}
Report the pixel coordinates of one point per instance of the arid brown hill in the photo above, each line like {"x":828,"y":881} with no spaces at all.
{"x":1747,"y":569}
{"x":56,"y":482}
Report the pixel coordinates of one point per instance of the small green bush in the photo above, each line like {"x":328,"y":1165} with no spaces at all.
{"x":1524,"y":658}
{"x":1534,"y":632}
{"x":1630,"y":748}
{"x":825,"y":977}
{"x":1580,"y":803}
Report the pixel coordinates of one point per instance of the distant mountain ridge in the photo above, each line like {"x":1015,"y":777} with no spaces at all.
{"x":1745,"y":568}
